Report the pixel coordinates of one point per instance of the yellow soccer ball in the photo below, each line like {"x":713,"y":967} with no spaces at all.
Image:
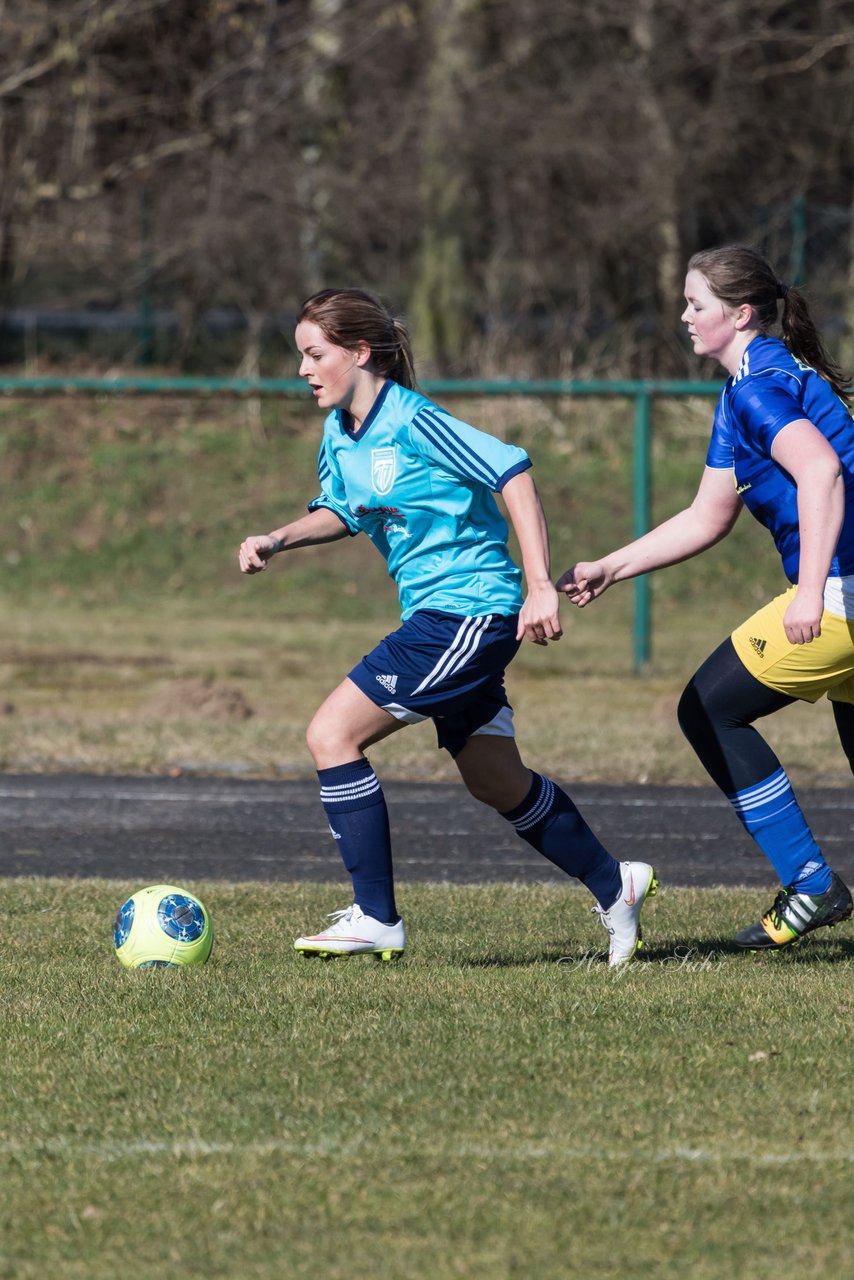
{"x":162,"y":925}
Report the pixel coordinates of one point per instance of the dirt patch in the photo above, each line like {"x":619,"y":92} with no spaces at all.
{"x":198,"y":699}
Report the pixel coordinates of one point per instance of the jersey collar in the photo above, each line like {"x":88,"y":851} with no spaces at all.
{"x":761,"y":350}
{"x":344,"y":417}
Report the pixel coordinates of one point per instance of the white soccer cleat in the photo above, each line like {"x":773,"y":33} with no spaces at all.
{"x":354,"y":933}
{"x":622,"y":920}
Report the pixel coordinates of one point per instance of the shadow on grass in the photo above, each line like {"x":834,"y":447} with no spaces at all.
{"x":679,"y":950}
{"x":676,"y":954}
{"x":507,"y":961}
{"x":706,"y":951}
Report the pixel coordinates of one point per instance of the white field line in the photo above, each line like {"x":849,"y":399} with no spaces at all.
{"x":527,"y":1152}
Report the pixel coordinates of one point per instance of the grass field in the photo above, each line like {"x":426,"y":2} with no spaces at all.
{"x":498,"y":1104}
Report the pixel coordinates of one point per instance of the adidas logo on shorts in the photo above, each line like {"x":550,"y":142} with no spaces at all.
{"x":759,"y":646}
{"x":388,"y":682}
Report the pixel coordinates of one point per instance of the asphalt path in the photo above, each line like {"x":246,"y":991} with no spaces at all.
{"x":158,"y":829}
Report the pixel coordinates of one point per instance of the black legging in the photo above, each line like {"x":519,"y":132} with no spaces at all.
{"x":716,"y":714}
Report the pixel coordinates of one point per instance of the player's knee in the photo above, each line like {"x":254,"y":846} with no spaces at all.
{"x":484,"y":789}
{"x":706,"y":711}
{"x":322,"y":738}
{"x":312,"y":740}
{"x":691,"y":713}
{"x":501,"y":784}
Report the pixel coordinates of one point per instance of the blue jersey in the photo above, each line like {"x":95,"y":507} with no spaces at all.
{"x":771,"y":389}
{"x":419,"y":483}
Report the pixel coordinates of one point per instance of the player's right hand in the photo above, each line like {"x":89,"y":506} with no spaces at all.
{"x":584,"y":582}
{"x":255,"y":551}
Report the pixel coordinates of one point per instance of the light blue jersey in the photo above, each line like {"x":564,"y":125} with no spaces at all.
{"x":771,"y":389}
{"x":419,"y":483}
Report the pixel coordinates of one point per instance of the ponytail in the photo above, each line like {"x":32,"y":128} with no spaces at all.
{"x":804,"y":341}
{"x":350,"y":316}
{"x":403,"y":371}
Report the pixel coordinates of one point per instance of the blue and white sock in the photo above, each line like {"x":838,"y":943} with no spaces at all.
{"x":355,"y":806}
{"x":550,"y":822}
{"x":771,"y":814}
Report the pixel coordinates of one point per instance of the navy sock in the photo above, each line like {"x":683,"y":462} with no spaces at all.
{"x":358,"y":819}
{"x":550,"y":822}
{"x":773,"y":817}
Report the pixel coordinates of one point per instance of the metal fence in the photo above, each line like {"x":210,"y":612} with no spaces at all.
{"x":642,"y":392}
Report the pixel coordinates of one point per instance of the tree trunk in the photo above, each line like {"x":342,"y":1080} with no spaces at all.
{"x":441,"y":306}
{"x":319,"y":93}
{"x":661,"y":158}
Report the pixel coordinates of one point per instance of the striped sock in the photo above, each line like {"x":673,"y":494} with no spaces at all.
{"x":355,"y":806}
{"x":772,"y":816}
{"x":550,"y":822}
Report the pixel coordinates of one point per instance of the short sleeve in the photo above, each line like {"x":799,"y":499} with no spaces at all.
{"x":468,"y":454}
{"x":332,"y":493}
{"x":764,"y":408}
{"x":721,"y":454}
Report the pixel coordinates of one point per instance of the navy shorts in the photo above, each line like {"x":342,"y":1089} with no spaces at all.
{"x":444,"y":668}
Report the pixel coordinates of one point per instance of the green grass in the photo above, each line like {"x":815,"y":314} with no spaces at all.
{"x":497,"y":1104}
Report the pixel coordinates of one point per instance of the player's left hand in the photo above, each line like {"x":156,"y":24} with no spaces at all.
{"x":255,"y":551}
{"x":539,"y":619}
{"x":802,"y":619}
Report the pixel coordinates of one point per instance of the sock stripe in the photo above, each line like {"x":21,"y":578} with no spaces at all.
{"x":770,"y":789}
{"x":770,"y":813}
{"x":753,"y":806}
{"x":366,"y":786}
{"x":756,"y":802}
{"x":539,"y":808}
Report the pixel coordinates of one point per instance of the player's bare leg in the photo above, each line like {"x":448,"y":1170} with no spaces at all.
{"x":345,"y":724}
{"x":494,"y":772}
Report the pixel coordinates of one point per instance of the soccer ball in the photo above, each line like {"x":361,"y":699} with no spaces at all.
{"x":162,"y":926}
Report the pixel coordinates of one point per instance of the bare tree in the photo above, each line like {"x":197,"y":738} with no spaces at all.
{"x":523,"y":178}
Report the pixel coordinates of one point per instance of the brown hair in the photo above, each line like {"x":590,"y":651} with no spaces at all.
{"x":350,"y":316}
{"x":736,"y":274}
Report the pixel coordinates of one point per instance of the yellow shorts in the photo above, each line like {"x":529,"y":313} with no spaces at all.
{"x":805,"y":671}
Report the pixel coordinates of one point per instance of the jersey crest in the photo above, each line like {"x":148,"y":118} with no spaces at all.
{"x":383,"y":469}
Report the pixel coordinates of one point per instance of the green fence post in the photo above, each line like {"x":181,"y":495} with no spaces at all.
{"x":642,"y":510}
